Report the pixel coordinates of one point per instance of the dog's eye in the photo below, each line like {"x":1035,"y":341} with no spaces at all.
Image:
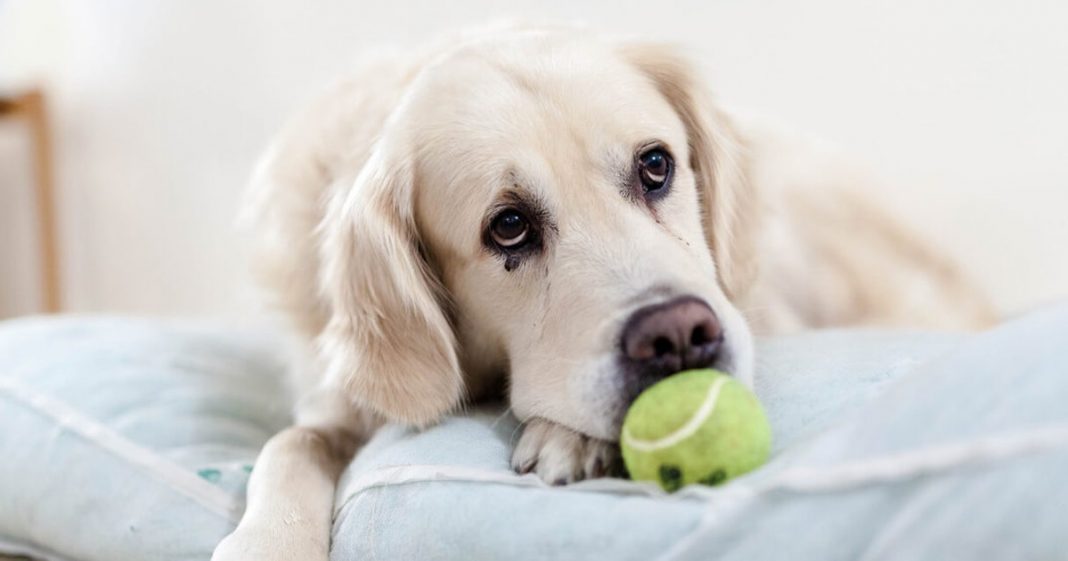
{"x":510,"y":229}
{"x":654,"y":169}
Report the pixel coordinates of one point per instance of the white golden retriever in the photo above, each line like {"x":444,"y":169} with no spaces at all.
{"x":568,"y":217}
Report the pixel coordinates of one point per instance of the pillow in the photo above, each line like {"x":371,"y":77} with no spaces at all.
{"x":131,"y":439}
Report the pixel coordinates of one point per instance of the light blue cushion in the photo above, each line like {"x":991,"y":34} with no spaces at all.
{"x":127,"y":439}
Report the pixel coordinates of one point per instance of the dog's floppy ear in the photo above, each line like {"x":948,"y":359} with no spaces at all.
{"x":388,"y":342}
{"x":717,"y":157}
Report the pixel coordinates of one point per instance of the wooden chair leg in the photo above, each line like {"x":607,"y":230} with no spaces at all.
{"x":33,"y":104}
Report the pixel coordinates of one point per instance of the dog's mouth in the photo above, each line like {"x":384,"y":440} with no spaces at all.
{"x":638,"y":380}
{"x":635,"y":381}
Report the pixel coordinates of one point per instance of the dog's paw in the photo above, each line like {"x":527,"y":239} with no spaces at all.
{"x":559,"y":455}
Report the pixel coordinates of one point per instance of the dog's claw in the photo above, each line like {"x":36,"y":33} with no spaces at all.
{"x":559,"y":455}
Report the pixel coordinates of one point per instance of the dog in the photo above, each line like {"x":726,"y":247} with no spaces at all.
{"x":555,"y":216}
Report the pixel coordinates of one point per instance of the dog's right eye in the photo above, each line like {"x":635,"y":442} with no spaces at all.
{"x":510,"y":229}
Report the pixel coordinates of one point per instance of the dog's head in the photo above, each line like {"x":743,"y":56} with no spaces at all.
{"x":568,"y":212}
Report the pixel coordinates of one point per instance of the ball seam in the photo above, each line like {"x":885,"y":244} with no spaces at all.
{"x":708,"y":406}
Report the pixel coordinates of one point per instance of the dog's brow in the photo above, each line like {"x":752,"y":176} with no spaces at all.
{"x":518,"y":191}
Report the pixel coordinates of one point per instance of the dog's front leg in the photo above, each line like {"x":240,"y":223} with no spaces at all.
{"x":291,"y":494}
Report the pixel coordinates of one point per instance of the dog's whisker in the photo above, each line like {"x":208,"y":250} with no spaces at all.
{"x":497,"y":421}
{"x":512,"y":438}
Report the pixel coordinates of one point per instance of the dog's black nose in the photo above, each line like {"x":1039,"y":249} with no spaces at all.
{"x":663,"y":339}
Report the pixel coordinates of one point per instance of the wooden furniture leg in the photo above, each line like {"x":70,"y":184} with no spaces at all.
{"x":31,"y":106}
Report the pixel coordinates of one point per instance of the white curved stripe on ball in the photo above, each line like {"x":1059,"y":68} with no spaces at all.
{"x":686,"y":430}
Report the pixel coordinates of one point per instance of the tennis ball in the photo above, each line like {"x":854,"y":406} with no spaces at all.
{"x":698,"y":426}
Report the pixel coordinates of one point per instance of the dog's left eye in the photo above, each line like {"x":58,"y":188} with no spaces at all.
{"x":654,"y":169}
{"x":510,"y":229}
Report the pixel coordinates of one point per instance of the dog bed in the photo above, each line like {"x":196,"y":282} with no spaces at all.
{"x":133,"y":439}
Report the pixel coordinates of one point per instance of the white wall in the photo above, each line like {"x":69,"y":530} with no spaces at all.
{"x":162,"y":107}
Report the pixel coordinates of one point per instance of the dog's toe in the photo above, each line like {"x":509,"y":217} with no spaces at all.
{"x":560,"y":459}
{"x":559,"y":455}
{"x":602,"y":459}
{"x":525,"y":455}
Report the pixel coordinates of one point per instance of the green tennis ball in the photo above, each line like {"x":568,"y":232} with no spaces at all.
{"x":698,"y":426}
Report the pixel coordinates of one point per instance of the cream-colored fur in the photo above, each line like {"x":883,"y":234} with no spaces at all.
{"x":371,"y":210}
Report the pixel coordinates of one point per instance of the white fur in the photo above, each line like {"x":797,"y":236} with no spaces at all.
{"x":371,"y":208}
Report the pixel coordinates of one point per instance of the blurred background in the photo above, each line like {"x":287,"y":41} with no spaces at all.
{"x":158,"y":108}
